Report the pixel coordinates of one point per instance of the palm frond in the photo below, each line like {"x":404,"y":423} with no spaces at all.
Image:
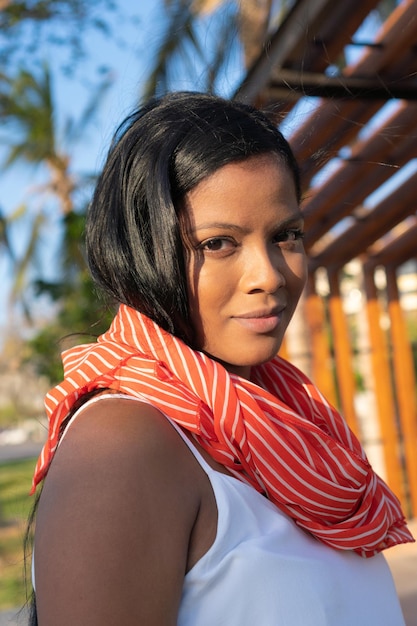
{"x":227,"y":36}
{"x":179,"y":39}
{"x":4,"y":236}
{"x":26,"y":104}
{"x":76,"y":128}
{"x":22,"y":265}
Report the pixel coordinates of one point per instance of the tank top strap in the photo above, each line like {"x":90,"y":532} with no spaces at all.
{"x":193,"y":449}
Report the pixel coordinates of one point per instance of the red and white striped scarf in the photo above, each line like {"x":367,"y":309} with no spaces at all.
{"x":275,"y":432}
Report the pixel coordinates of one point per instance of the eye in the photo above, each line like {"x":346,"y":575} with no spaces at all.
{"x":289,"y":235}
{"x":217,"y":244}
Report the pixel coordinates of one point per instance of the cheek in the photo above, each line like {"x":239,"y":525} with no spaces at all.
{"x":297,"y":272}
{"x":200,"y":288}
{"x":299,"y":263}
{"x":303,"y":269}
{"x":209,"y":293}
{"x":212,"y":290}
{"x":193,"y":268}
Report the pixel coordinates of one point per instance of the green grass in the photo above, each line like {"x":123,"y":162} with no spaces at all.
{"x":15,"y":505}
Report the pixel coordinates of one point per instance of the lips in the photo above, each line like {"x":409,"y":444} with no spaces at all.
{"x":262,"y":321}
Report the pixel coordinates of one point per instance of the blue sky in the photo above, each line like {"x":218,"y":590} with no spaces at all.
{"x":138,"y":29}
{"x":19,"y":183}
{"x":141,"y":26}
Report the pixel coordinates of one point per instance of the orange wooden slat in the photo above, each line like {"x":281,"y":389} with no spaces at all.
{"x":321,"y":362}
{"x":383,"y":387}
{"x":343,"y":353}
{"x":405,"y":384}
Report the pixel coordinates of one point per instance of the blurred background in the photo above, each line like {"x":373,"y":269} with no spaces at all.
{"x":340,"y":80}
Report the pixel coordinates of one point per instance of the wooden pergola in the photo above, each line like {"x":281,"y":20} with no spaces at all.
{"x":354,"y":132}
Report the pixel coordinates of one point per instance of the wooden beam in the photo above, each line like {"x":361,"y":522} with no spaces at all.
{"x":405,"y":384}
{"x":383,"y":386}
{"x":321,"y":361}
{"x":367,"y":228}
{"x":275,"y":52}
{"x":397,"y":35}
{"x":289,"y":84}
{"x":370,"y":163}
{"x":320,"y":47}
{"x":397,"y":250}
{"x":317,"y":139}
{"x":343,"y":353}
{"x":327,"y":129}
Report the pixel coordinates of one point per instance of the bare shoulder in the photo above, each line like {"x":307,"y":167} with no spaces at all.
{"x":115,"y":519}
{"x":124,"y":450}
{"x":116,"y":435}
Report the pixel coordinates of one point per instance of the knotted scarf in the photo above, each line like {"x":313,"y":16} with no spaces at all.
{"x":276,"y":431}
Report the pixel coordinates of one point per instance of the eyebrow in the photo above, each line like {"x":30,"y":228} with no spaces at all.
{"x":298,"y":217}
{"x":218,"y":225}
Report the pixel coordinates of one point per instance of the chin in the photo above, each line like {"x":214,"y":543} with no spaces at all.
{"x":248,"y":363}
{"x":258,"y":357}
{"x":244,"y":359}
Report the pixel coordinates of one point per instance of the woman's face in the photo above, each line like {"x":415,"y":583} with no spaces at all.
{"x":247,"y":265}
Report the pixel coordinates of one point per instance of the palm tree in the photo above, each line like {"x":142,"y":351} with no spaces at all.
{"x":245,"y":22}
{"x":31,"y":136}
{"x":62,"y":25}
{"x":27,"y":103}
{"x":27,"y":106}
{"x":224,"y":24}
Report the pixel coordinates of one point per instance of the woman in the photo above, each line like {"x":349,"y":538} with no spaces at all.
{"x":199,"y":479}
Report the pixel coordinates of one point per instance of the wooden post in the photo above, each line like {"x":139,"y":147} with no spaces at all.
{"x":383,"y":386}
{"x":343,"y":354}
{"x":298,"y":339}
{"x":405,"y":385}
{"x":321,"y":362}
{"x":283,"y":350}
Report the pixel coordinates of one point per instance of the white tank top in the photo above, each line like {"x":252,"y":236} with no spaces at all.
{"x":262,"y":570}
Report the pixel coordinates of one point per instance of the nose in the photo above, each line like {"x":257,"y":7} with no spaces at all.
{"x":264,"y":270}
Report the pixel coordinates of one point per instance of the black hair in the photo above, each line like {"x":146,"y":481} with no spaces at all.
{"x":134,"y":240}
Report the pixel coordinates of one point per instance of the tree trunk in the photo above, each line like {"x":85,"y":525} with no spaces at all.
{"x":254,"y":18}
{"x":62,"y":183}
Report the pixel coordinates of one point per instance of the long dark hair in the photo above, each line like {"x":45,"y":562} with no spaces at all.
{"x":159,"y":153}
{"x":135,"y":246}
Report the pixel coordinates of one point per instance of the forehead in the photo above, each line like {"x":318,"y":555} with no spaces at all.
{"x":259,"y":187}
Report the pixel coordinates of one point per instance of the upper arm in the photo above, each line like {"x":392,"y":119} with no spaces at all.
{"x":114,"y":520}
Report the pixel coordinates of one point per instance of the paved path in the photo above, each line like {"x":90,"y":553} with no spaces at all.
{"x":9,"y":618}
{"x":403,"y":563}
{"x":19,"y":451}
